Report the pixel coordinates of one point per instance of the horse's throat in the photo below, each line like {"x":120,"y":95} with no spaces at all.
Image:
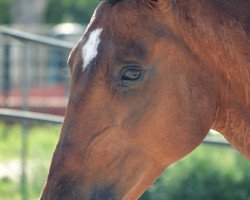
{"x":233,"y":121}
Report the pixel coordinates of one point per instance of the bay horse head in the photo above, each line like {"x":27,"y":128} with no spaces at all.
{"x":149,"y":79}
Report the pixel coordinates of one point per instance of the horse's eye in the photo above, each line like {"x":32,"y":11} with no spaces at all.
{"x":131,"y":73}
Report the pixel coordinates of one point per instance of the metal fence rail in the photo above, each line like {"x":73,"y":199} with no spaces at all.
{"x":34,"y":38}
{"x":216,"y":142}
{"x":31,"y":61}
{"x":31,"y":117}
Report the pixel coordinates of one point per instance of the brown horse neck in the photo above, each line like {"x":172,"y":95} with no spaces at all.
{"x":219,"y":37}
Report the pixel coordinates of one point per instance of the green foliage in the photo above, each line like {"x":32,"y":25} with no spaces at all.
{"x":67,"y":10}
{"x":57,"y":11}
{"x":208,"y":173}
{"x":42,"y":141}
{"x":5,"y":11}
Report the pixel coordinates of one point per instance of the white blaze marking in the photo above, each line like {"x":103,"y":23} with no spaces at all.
{"x":90,"y":48}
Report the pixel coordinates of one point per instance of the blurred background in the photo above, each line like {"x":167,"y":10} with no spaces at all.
{"x":35,"y":39}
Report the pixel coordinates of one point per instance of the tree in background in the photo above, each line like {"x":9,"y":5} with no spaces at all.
{"x":28,"y":11}
{"x":47,"y":11}
{"x":5,"y":11}
{"x":70,"y":11}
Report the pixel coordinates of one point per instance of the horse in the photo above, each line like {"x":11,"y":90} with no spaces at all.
{"x":150,"y":78}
